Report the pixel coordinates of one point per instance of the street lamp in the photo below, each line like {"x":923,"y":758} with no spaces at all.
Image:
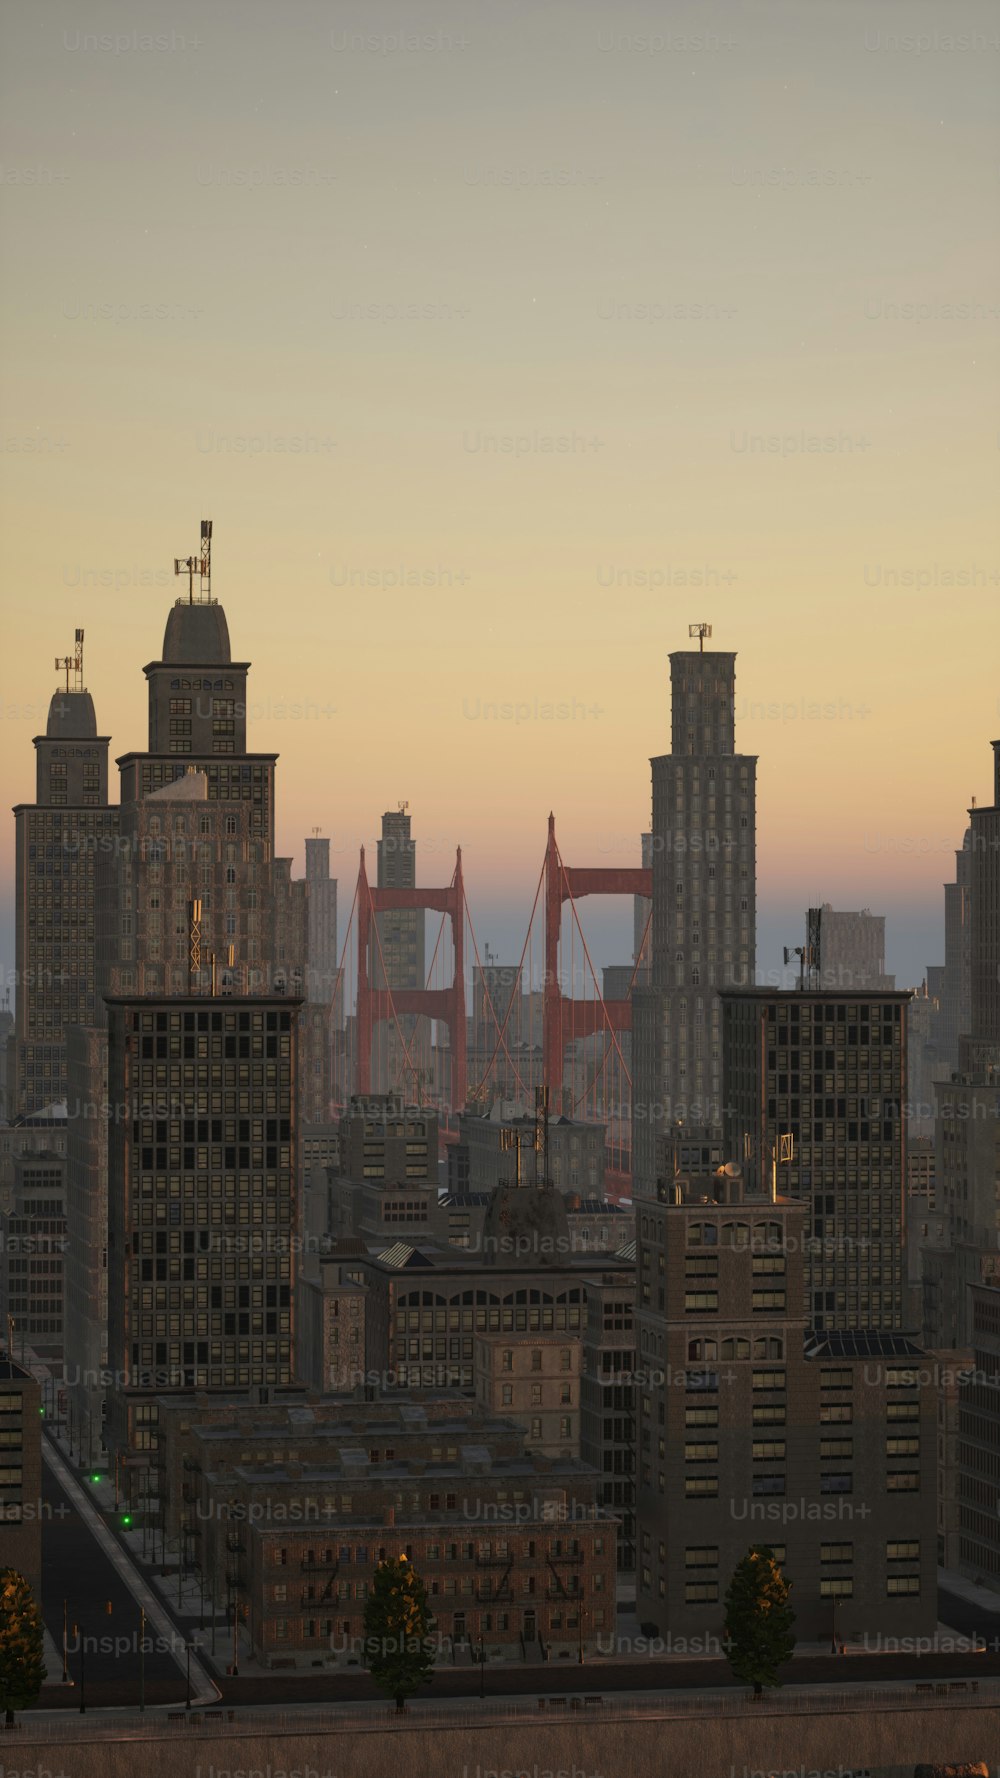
{"x":579,"y":1619}
{"x":236,"y":1634}
{"x":65,"y":1678}
{"x":188,"y":1647}
{"x":142,"y":1660}
{"x":833,"y":1633}
{"x":482,"y":1666}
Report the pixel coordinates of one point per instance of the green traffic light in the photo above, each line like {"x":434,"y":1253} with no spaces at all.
{"x":127,"y":1520}
{"x":95,"y":1478}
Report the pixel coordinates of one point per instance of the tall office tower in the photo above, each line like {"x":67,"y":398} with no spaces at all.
{"x":967,"y":1186}
{"x":401,"y":938}
{"x":642,"y":925}
{"x":703,"y":930}
{"x":954,"y":988}
{"x":983,"y":1050}
{"x":745,"y":1416}
{"x":194,"y":913}
{"x":846,"y":950}
{"x":815,"y":1086}
{"x":321,"y":970}
{"x":59,"y":839}
{"x":202,"y":1175}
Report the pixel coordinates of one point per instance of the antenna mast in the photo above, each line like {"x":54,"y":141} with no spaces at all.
{"x":201,"y":565}
{"x":701,"y":631}
{"x":72,"y":663}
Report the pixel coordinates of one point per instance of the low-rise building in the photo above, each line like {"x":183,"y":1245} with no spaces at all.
{"x":535,"y":1379}
{"x":21,"y":1503}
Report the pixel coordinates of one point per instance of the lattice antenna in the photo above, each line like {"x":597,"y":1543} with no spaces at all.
{"x":72,"y":664}
{"x":701,"y":631}
{"x":201,"y":565}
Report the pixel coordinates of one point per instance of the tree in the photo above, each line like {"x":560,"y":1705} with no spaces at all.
{"x":22,"y":1647}
{"x":758,"y":1635}
{"x":399,"y":1652}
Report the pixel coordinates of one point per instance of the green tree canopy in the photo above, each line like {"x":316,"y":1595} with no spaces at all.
{"x":399,"y":1649}
{"x":758,"y":1634}
{"x":22,"y":1647}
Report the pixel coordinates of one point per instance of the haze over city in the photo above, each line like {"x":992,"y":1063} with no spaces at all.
{"x":500,"y":904}
{"x":721,"y":284}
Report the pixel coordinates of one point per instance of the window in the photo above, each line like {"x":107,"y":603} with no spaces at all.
{"x":840,"y":1587}
{"x":701,"y":1453}
{"x":701,"y":1302}
{"x":704,"y":1592}
{"x":705,"y":1485}
{"x":836,"y":1552}
{"x":838,"y":1482}
{"x":766,"y":1448}
{"x":906,"y":1551}
{"x":905,"y":1481}
{"x":902,"y":1447}
{"x":902,"y":1583}
{"x":702,"y":1555}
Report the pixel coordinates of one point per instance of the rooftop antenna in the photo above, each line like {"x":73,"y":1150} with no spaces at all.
{"x":404,"y":808}
{"x":72,"y":663}
{"x":701,"y":631}
{"x":201,"y":565}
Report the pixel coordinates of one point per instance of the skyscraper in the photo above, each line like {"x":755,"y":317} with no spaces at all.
{"x":816,"y":1087}
{"x":398,"y":961}
{"x":59,"y":840}
{"x":703,"y":929}
{"x":967,"y":1184}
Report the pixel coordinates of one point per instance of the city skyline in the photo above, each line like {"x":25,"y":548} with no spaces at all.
{"x":500,"y":871}
{"x":705,"y":332}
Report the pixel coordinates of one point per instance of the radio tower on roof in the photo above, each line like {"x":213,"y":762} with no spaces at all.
{"x":200,"y":565}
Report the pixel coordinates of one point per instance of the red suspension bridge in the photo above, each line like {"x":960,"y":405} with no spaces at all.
{"x":525,"y":1030}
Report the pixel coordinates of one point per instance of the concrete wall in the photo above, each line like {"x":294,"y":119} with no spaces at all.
{"x":888,"y":1743}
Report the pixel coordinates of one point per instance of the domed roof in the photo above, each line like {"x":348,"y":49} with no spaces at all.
{"x":196,"y":636}
{"x":71,"y":717}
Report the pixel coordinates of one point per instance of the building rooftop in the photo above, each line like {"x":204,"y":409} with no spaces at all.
{"x":865,"y":1342}
{"x":71,"y":717}
{"x":196,"y":636}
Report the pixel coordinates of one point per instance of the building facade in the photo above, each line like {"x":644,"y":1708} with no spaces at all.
{"x":202,"y":1178}
{"x":703,"y":926}
{"x":816,"y":1084}
{"x":754,"y":1429}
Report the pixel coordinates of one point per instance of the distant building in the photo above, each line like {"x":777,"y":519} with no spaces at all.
{"x":59,"y":840}
{"x":385,"y":1138}
{"x":846,"y":950}
{"x":576,"y":1150}
{"x":398,"y":961}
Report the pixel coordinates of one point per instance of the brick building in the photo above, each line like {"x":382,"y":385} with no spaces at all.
{"x":754,"y":1428}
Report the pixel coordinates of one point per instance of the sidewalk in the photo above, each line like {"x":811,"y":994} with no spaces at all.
{"x":987,"y":1598}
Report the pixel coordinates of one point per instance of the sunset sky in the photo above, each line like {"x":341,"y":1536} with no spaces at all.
{"x":500,"y":342}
